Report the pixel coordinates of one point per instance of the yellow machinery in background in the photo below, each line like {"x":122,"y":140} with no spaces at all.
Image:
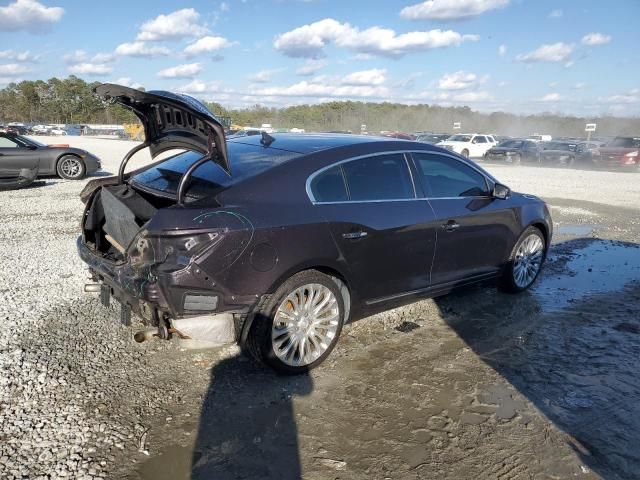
{"x":134,"y":131}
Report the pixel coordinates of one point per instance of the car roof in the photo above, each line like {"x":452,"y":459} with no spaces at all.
{"x":305,"y":143}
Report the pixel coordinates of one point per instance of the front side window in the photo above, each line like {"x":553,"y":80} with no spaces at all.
{"x":382,"y":177}
{"x":446,"y":177}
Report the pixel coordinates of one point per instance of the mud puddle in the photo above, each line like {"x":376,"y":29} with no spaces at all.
{"x":597,"y":266}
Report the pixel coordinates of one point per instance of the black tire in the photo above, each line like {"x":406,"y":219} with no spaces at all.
{"x":465,"y":153}
{"x":259,"y":342}
{"x":507,"y":282}
{"x":71,"y":167}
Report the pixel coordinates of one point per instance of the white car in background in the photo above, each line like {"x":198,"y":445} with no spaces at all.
{"x":469,"y":144}
{"x":539,"y":138}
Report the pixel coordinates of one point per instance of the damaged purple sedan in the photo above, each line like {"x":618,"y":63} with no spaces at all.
{"x":275,"y":241}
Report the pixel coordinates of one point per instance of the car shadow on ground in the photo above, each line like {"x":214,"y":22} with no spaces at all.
{"x":247,"y":424}
{"x":571,"y":345}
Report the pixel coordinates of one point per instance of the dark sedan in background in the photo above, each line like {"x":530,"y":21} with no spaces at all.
{"x":558,"y":153}
{"x":18,"y":152}
{"x":514,"y":151}
{"x":432,"y":138}
{"x":281,"y":239}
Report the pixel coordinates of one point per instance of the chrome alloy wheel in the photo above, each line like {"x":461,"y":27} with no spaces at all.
{"x":71,"y":166}
{"x":528,"y":260}
{"x":305,"y":325}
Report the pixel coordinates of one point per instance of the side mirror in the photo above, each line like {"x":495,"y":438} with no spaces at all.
{"x":501,"y":191}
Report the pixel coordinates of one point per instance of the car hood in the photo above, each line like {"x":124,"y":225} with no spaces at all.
{"x":616,"y":150}
{"x":172,"y":121}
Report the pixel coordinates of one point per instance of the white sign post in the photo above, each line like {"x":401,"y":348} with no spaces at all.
{"x":457,"y":125}
{"x":589,"y":127}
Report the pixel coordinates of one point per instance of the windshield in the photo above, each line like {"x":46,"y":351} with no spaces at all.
{"x":31,"y":141}
{"x":459,"y":138}
{"x":246,"y":161}
{"x":624,"y":142}
{"x":510,"y":144}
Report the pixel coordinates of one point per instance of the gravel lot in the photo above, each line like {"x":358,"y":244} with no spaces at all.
{"x":477,"y":384}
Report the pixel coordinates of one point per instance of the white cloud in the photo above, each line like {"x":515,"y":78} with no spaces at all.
{"x":263,"y":76}
{"x":459,"y":81}
{"x":550,"y":97}
{"x":555,"y":52}
{"x":472,"y":97}
{"x":409,"y":81}
{"x":200,"y":87}
{"x":310,"y":67}
{"x":225,"y":7}
{"x":29,"y":15}
{"x":632,"y":96}
{"x":310,"y":89}
{"x":557,"y":13}
{"x":141,"y":49}
{"x":207,"y":45}
{"x":80,"y":56}
{"x":13,"y":70}
{"x":94,"y":69}
{"x":25,"y":56}
{"x":596,"y":38}
{"x":375,"y":76}
{"x":178,"y":24}
{"x":579,"y":85}
{"x":502,"y":50}
{"x":187,"y":70}
{"x":127,"y":82}
{"x":309,"y":40}
{"x":450,"y":9}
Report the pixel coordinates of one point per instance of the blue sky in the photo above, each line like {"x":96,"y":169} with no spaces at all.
{"x":578,"y":57}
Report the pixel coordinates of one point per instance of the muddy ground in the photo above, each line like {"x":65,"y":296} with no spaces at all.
{"x":477,"y":384}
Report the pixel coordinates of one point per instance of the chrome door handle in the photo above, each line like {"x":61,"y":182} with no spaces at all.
{"x":354,"y":235}
{"x":451,"y":226}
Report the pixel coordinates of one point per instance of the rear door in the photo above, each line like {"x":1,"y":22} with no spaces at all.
{"x":475,"y":230}
{"x":385,"y":234}
{"x":14,"y":156}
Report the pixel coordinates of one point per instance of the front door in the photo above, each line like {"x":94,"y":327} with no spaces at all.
{"x":385,"y":235}
{"x":14,"y":157}
{"x":475,"y":230}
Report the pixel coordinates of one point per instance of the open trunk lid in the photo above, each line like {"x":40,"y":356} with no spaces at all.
{"x":172,"y":121}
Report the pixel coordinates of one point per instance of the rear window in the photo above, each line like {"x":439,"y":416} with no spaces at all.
{"x":246,"y":161}
{"x":511,"y":144}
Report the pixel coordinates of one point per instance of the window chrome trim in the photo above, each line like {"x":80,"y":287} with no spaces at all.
{"x":490,"y":179}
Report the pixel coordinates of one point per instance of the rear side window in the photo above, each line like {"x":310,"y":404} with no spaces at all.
{"x":329,"y":186}
{"x":382,"y":177}
{"x":446,"y":177}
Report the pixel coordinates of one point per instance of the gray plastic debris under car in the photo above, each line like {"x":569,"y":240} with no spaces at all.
{"x":205,"y":331}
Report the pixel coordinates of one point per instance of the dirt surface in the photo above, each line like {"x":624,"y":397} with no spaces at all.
{"x":477,"y":384}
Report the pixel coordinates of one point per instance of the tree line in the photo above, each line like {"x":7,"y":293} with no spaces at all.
{"x":72,"y":101}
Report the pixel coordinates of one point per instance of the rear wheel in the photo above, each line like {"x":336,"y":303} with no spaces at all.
{"x":71,"y":167}
{"x":299,"y":325}
{"x":525,"y":261}
{"x":465,"y":153}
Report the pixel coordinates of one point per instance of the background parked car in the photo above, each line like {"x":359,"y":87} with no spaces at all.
{"x":558,"y":153}
{"x":469,"y":144}
{"x":514,"y":152}
{"x":18,"y":152}
{"x":621,"y":152}
{"x":587,"y":153}
{"x":432,"y":138}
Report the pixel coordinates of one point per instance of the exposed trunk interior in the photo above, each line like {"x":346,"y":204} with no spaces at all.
{"x":116,"y":215}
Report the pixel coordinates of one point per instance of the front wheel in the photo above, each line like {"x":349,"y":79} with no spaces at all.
{"x":71,"y":167}
{"x":525,"y":262}
{"x":299,"y":325}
